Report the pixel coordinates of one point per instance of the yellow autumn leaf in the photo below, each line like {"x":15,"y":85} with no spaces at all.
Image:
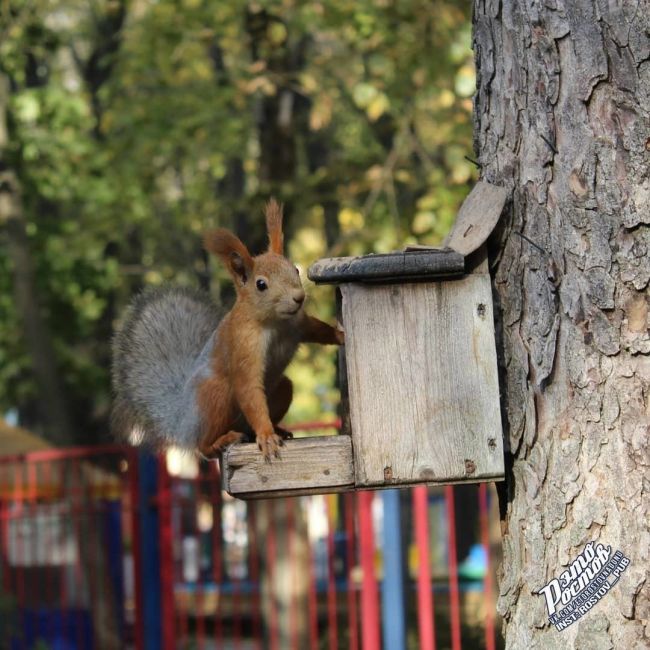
{"x":446,"y":98}
{"x":423,"y":222}
{"x":350,"y":219}
{"x":377,"y":107}
{"x":308,"y":82}
{"x":363,"y":94}
{"x":277,"y":33}
{"x":321,"y":113}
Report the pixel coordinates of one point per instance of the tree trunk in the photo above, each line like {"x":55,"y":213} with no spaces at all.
{"x":51,"y":400}
{"x":561,"y":119}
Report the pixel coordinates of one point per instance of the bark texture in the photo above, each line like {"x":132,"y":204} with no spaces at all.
{"x":561,"y":119}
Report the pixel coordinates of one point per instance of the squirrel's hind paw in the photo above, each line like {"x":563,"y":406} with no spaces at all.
{"x":211,"y":449}
{"x":283,"y":433}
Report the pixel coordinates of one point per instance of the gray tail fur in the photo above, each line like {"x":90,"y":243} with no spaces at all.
{"x":161,"y":350}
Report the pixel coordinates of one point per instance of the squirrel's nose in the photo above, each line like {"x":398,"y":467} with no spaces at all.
{"x":299,"y":297}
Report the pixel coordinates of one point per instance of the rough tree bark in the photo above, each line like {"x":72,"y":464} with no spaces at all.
{"x":561,"y":119}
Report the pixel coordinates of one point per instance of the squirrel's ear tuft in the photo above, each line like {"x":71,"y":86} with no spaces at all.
{"x":231,"y":251}
{"x":273,"y":212}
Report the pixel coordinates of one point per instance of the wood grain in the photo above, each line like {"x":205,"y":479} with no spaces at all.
{"x":422,"y":381}
{"x":317,"y":464}
{"x":477,"y":217}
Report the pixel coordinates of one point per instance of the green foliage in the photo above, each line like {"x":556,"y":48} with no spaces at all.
{"x":136,"y":126}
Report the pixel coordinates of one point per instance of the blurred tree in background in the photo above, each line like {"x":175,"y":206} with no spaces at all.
{"x":129,"y":127}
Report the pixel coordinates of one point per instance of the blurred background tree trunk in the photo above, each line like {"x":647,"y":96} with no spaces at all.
{"x":51,"y":405}
{"x":561,"y":119}
{"x":284,"y":571}
{"x":280,"y":116}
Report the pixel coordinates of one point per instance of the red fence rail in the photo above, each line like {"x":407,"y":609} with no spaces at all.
{"x":288,"y":574}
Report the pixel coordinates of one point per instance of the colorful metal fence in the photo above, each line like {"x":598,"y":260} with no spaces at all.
{"x":106,"y":548}
{"x":69,"y":550}
{"x":326,"y":572}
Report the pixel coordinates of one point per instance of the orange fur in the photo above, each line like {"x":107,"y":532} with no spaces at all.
{"x":255,"y":341}
{"x":232,"y":252}
{"x":273,"y":212}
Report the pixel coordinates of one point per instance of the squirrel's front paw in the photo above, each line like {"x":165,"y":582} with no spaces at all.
{"x":269,"y":444}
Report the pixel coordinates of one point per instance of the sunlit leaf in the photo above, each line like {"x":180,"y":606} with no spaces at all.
{"x":363,"y":94}
{"x":377,"y":107}
{"x":350,"y":219}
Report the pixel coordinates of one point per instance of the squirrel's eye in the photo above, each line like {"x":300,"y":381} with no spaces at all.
{"x":297,"y":270}
{"x":261,"y":285}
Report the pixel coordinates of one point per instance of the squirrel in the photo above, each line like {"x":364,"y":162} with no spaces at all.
{"x":184,"y":373}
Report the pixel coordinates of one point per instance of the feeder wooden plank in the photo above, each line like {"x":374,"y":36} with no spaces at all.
{"x":477,"y":217}
{"x":316,"y":464}
{"x":390,"y":267}
{"x":422,"y":381}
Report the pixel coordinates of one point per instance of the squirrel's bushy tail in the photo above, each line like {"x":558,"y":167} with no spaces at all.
{"x":159,"y":353}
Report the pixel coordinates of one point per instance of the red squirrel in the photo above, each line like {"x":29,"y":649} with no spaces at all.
{"x":184,"y":375}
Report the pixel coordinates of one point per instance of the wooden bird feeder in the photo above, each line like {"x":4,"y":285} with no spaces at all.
{"x":420,"y":392}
